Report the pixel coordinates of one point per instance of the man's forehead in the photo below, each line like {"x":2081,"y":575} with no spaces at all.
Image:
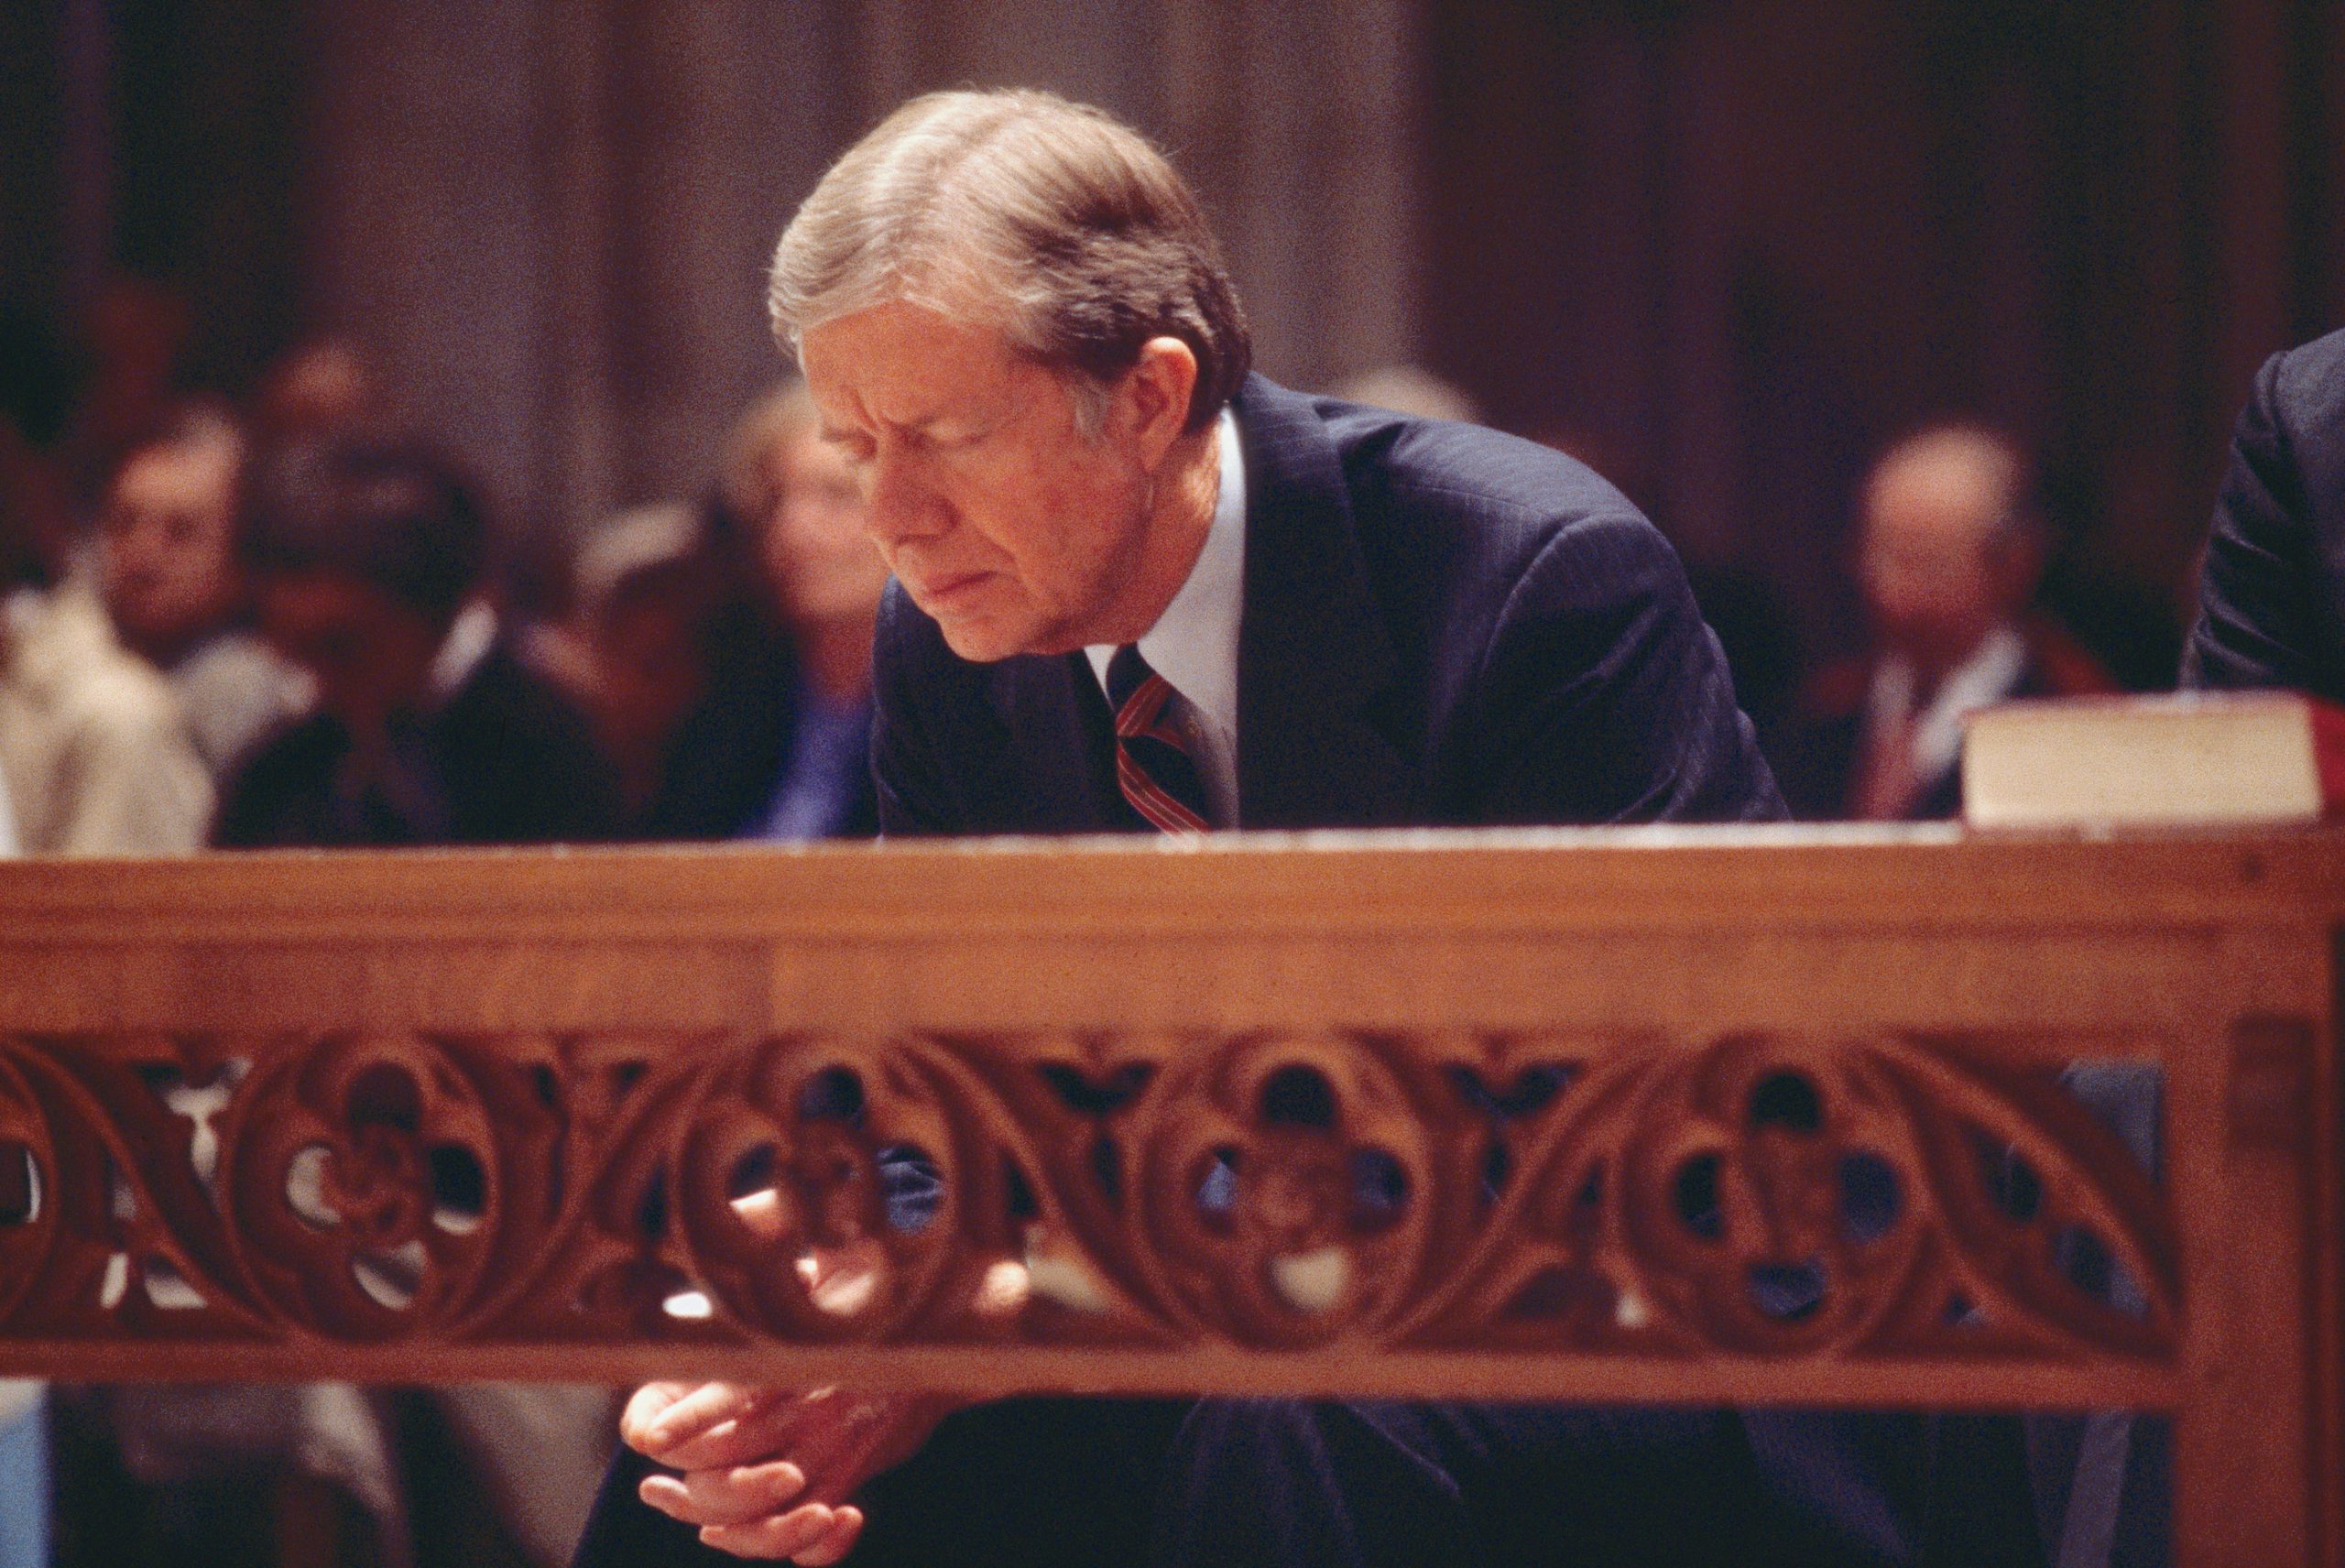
{"x":903,"y":362}
{"x":1950,"y":496}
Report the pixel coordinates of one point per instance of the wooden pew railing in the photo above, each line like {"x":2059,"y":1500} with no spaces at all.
{"x":1726,"y":1117}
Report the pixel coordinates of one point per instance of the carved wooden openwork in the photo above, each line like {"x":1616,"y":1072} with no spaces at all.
{"x":1760,"y":1116}
{"x":1769,"y":1195}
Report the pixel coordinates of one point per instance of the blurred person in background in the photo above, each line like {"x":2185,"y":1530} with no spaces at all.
{"x":318,"y":389}
{"x":95,"y":755}
{"x":1952,"y":550}
{"x":637,"y":653}
{"x":366,"y":557}
{"x":822,"y":577}
{"x":94,"y":760}
{"x":170,"y":580}
{"x":778,"y":746}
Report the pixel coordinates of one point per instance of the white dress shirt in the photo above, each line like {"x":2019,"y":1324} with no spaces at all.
{"x":1989,"y":675}
{"x":1194,"y":644}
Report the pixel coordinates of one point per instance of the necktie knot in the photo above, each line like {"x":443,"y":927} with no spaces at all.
{"x":1153,"y":767}
{"x":1127,"y":673}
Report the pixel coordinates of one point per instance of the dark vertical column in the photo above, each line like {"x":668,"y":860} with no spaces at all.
{"x":718,"y":117}
{"x":32,"y":154}
{"x":2250,"y":201}
{"x":85,"y":163}
{"x":2317,"y":166}
{"x":207,"y":152}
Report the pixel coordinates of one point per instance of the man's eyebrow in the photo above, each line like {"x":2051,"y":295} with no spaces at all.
{"x":919,"y":425}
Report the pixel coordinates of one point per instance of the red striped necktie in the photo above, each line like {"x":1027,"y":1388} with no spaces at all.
{"x":1152,"y":762}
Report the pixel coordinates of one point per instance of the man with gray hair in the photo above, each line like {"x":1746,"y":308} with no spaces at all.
{"x":1950,"y":552}
{"x":1137,"y":588}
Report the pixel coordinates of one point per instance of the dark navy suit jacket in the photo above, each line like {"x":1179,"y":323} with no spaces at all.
{"x":2272,"y":601}
{"x":1442,"y":627}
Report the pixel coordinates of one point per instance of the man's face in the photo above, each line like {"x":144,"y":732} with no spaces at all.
{"x":165,"y":562}
{"x":816,"y":551}
{"x":370,"y":654}
{"x":1002,"y":519}
{"x":1937,"y":576}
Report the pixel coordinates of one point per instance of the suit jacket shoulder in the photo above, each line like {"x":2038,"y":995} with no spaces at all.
{"x":1567,"y":676}
{"x":513,"y":759}
{"x":2272,"y":596}
{"x":519,"y":761}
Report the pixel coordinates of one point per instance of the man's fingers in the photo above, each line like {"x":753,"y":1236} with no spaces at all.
{"x":847,"y":1527}
{"x":791,"y":1535}
{"x":716,"y":1423}
{"x":644,"y":1406}
{"x":736,"y":1496}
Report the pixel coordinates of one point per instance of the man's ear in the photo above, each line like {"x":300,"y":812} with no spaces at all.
{"x":1154,"y":401}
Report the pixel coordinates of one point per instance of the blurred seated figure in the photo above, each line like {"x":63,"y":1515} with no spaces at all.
{"x":778,"y":746}
{"x":822,"y":576}
{"x":317,"y":390}
{"x":97,"y":756}
{"x":94,"y":753}
{"x":637,"y":655}
{"x":2272,"y":595}
{"x":94,"y":760}
{"x":169,"y":575}
{"x":365,"y":557}
{"x":1952,"y":549}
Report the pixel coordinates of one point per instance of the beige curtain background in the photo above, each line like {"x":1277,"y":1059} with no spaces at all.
{"x":549,"y":219}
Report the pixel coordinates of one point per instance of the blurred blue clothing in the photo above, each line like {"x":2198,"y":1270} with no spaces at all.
{"x":24,"y":1476}
{"x":824,"y":785}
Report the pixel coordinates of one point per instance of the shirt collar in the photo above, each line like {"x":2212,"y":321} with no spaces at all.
{"x":1991,"y":674}
{"x":469,"y":638}
{"x":1194,"y":644}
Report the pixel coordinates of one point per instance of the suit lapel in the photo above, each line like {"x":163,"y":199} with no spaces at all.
{"x":1312,"y":655}
{"x":1312,"y":651}
{"x":1062,"y":747}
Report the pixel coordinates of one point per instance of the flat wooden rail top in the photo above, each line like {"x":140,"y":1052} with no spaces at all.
{"x":1751,"y":1115}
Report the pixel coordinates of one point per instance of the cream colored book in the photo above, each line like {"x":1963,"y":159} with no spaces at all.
{"x":2194,"y":758}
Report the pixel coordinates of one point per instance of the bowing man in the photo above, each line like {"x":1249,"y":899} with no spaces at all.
{"x":1138,"y":588}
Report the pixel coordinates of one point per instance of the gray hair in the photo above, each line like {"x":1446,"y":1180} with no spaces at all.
{"x":1047,"y":220}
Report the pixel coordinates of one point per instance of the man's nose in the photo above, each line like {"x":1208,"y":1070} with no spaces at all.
{"x":900,"y":502}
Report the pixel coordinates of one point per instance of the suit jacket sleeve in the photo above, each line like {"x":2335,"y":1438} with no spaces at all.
{"x":2258,"y":623}
{"x":1640,"y":725}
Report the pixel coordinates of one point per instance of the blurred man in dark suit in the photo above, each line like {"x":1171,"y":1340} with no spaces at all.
{"x":364,"y":559}
{"x":1952,"y":552}
{"x":1138,"y":589}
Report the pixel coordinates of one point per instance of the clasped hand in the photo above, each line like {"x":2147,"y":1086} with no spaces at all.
{"x":766,"y":1472}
